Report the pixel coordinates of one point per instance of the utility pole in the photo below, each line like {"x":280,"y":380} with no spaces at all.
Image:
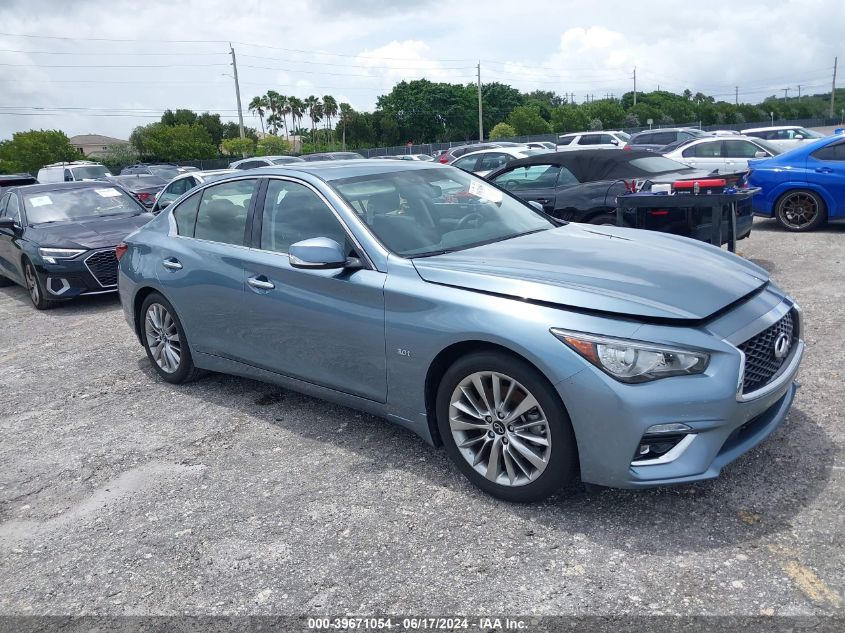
{"x":833,"y":87}
{"x":480,"y":123}
{"x":237,"y":91}
{"x":799,"y":92}
{"x":785,"y":93}
{"x":635,"y":85}
{"x":736,"y":95}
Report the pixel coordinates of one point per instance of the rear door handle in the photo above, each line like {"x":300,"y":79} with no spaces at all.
{"x":172,"y":263}
{"x":261,"y":282}
{"x":824,"y":170}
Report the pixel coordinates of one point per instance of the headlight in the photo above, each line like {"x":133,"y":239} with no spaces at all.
{"x":633,"y":361}
{"x":50,"y":255}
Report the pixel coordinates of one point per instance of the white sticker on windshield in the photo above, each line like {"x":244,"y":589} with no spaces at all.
{"x":108,"y":193}
{"x":40,"y":201}
{"x":486,"y":192}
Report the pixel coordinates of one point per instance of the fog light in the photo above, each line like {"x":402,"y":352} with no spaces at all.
{"x":674,"y":427}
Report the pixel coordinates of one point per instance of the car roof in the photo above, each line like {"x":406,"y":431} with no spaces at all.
{"x":588,"y":165}
{"x":61,"y":186}
{"x":513,"y":151}
{"x":770,"y":127}
{"x":347,"y":168}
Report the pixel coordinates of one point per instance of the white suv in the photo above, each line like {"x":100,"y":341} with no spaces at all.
{"x":72,"y":172}
{"x":783,"y":137}
{"x":605,"y":139}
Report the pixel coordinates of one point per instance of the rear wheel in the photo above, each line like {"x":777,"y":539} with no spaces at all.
{"x":800,"y":210}
{"x":37,"y":292}
{"x":165,"y":342}
{"x":505,"y":427}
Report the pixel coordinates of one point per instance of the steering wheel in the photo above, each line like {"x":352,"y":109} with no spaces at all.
{"x":469,"y":217}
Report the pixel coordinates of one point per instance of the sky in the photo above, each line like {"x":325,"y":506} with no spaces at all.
{"x":106,"y":67}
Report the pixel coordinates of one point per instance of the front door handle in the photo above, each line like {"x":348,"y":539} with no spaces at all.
{"x":543,"y":200}
{"x":172,"y":263}
{"x":261,"y":283}
{"x":824,"y":170}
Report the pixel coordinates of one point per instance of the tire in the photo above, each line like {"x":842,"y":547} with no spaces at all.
{"x":512,"y":476}
{"x":605,"y":219}
{"x":165,"y":342}
{"x":800,"y":210}
{"x":37,"y":292}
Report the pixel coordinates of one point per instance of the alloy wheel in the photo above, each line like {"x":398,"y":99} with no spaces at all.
{"x":163,"y":338}
{"x":798,"y":210}
{"x":500,"y":428}
{"x":32,"y":284}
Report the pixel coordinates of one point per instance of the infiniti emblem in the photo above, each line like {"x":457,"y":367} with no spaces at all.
{"x":499,"y":428}
{"x":782,"y":345}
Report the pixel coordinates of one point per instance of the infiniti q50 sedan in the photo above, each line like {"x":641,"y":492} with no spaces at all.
{"x":533,"y":350}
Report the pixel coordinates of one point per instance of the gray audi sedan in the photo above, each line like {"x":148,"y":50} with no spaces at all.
{"x":535,"y":351}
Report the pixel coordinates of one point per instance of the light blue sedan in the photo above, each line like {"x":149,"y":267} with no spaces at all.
{"x":535,"y":351}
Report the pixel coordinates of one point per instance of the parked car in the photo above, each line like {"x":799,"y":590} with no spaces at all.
{"x":583,"y":186}
{"x":609,"y":139}
{"x":484,"y":161}
{"x":422,"y":157}
{"x":143,"y":186}
{"x":184,"y":183}
{"x":804,"y":187}
{"x":331,"y":156}
{"x":541,"y":145}
{"x":263,"y":161}
{"x":727,"y":154}
{"x":655,"y":139}
{"x":15,"y":180}
{"x":75,"y":171}
{"x":784,"y":137}
{"x":723,"y":132}
{"x":58,"y":240}
{"x":164,"y":171}
{"x":522,"y":344}
{"x":453,"y":153}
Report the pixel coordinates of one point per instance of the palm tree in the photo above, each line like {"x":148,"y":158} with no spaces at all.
{"x":285,"y":110}
{"x":330,"y":110}
{"x":310,"y":104}
{"x":346,"y":113}
{"x":297,"y":109}
{"x":273,"y":99}
{"x":318,"y":116}
{"x":258,"y":105}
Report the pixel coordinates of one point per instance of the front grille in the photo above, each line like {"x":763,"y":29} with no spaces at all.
{"x":761,"y":364}
{"x":103,"y":265}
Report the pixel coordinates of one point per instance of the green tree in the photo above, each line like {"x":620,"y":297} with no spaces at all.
{"x":272,"y":146}
{"x":346,"y":113}
{"x":237,"y":146}
{"x":180,"y":117}
{"x":497,"y":102}
{"x":330,"y":110}
{"x":569,"y":118}
{"x":259,"y":105}
{"x":527,"y":120}
{"x":158,"y":141}
{"x":502,"y":130}
{"x":119,"y":156}
{"x":30,"y":151}
{"x":609,"y":112}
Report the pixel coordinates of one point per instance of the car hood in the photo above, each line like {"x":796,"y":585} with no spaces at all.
{"x":90,"y":233}
{"x":636,"y":273}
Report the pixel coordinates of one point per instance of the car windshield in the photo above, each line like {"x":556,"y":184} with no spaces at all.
{"x":285,"y":159}
{"x":421,"y":212}
{"x":624,"y":136}
{"x":657,"y":165}
{"x":94,"y":172}
{"x":808,"y":133}
{"x":166,"y":173}
{"x":76,"y":204}
{"x":774,"y":151}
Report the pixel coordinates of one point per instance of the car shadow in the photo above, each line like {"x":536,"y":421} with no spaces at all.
{"x":757,"y":495}
{"x":770,"y":225}
{"x":86,"y":304}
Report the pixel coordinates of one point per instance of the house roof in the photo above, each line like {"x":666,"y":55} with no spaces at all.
{"x":95,"y":139}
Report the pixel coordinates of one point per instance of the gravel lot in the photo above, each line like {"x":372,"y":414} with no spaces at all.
{"x":120,"y":494}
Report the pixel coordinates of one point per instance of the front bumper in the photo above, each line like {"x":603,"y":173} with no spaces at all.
{"x":89,"y":273}
{"x":610,"y":419}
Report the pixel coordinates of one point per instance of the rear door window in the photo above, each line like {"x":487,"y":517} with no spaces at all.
{"x":589,"y":139}
{"x":712,"y":149}
{"x":467,"y":164}
{"x":565,"y":140}
{"x":493,"y":160}
{"x":835,"y":152}
{"x":223,"y":210}
{"x":740,"y":149}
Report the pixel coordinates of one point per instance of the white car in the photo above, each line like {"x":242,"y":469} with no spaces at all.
{"x":72,"y":172}
{"x":183,"y":184}
{"x":605,"y":139}
{"x":264,"y":161}
{"x":423,"y":157}
{"x":727,"y":154}
{"x":484,"y":161}
{"x":541,"y":145}
{"x":783,"y":137}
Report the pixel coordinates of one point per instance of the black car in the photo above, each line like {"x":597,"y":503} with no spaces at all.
{"x":655,"y":139}
{"x":164,"y":171}
{"x":582,"y":186}
{"x":15,"y":180}
{"x":450,"y":155}
{"x":145,"y":188}
{"x":58,"y":240}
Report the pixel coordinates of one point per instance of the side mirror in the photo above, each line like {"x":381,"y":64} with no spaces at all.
{"x":8,"y":223}
{"x":68,"y":178}
{"x":536,"y":205}
{"x":317,"y":252}
{"x":798,"y":137}
{"x":761,"y":154}
{"x":615,"y":142}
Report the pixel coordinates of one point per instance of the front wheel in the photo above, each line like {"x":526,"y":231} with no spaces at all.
{"x":505,"y":427}
{"x":37,"y":292}
{"x":800,"y":210}
{"x":165,"y":342}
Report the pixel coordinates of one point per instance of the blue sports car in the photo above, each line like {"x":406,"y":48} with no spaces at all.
{"x":804,"y":187}
{"x":533,"y":349}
